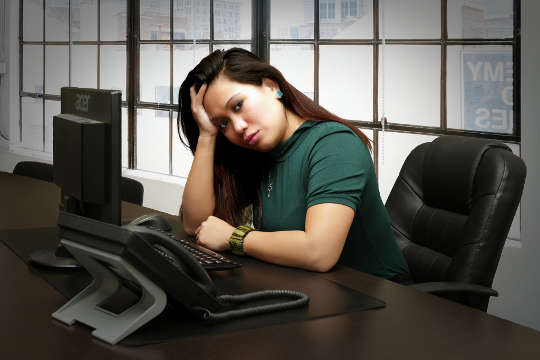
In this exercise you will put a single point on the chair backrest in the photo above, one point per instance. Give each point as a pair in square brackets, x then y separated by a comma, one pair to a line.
[451, 209]
[35, 170]
[130, 190]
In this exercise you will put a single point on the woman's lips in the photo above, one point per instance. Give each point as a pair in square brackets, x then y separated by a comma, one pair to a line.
[252, 139]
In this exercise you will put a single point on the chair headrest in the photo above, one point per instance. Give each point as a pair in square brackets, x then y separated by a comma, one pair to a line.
[450, 168]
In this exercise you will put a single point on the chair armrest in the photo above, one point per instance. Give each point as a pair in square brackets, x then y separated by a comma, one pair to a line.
[452, 287]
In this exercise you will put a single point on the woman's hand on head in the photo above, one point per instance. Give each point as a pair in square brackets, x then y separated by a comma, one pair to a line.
[206, 127]
[214, 234]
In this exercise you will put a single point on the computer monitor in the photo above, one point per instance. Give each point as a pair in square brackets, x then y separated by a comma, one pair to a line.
[87, 152]
[87, 160]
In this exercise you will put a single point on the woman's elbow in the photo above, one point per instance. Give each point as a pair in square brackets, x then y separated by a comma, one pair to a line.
[322, 262]
[323, 267]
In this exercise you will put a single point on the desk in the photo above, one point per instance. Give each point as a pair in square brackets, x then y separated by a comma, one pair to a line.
[412, 325]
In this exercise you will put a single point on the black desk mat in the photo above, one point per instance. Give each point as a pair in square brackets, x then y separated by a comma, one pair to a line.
[327, 298]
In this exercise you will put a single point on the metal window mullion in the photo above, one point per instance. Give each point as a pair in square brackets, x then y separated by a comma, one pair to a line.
[444, 38]
[98, 43]
[21, 9]
[316, 52]
[261, 29]
[170, 142]
[376, 84]
[132, 76]
[171, 87]
[69, 42]
[516, 64]
[44, 84]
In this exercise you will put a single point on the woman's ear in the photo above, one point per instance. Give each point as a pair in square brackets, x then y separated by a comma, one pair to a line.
[270, 84]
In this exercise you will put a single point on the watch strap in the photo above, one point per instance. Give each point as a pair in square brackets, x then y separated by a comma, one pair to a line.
[236, 241]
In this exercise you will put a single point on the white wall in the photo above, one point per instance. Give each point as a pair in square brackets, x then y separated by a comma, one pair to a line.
[519, 268]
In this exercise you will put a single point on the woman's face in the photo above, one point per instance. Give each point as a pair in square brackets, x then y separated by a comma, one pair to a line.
[249, 116]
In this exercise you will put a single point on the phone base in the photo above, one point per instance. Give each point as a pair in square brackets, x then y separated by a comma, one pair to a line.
[109, 272]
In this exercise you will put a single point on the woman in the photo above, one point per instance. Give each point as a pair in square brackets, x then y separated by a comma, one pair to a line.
[260, 144]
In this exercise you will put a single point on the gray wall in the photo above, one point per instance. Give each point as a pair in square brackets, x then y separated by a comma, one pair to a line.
[518, 275]
[519, 269]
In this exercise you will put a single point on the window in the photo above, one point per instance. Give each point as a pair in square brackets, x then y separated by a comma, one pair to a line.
[327, 9]
[63, 46]
[415, 69]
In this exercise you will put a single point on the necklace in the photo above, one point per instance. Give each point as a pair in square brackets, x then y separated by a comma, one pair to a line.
[269, 187]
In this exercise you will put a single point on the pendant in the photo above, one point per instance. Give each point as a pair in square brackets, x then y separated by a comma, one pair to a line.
[269, 187]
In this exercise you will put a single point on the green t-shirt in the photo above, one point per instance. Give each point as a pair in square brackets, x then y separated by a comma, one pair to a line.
[326, 162]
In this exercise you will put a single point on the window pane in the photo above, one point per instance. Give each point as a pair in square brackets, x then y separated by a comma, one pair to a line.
[52, 108]
[113, 20]
[186, 57]
[480, 88]
[347, 19]
[411, 19]
[181, 156]
[113, 68]
[33, 68]
[296, 63]
[57, 20]
[84, 20]
[155, 20]
[480, 19]
[33, 20]
[232, 19]
[84, 66]
[56, 68]
[32, 123]
[346, 80]
[393, 150]
[191, 19]
[153, 140]
[124, 138]
[410, 92]
[291, 19]
[155, 73]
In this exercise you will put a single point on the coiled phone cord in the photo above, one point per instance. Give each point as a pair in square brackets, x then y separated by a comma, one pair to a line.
[300, 299]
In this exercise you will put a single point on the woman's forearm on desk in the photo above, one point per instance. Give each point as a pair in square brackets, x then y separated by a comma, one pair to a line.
[317, 248]
[198, 200]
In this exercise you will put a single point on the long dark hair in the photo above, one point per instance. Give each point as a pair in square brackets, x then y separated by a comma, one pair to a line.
[239, 172]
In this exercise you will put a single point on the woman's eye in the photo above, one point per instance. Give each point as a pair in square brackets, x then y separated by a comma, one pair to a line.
[223, 124]
[238, 106]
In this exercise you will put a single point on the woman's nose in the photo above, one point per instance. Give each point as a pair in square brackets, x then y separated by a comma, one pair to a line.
[239, 124]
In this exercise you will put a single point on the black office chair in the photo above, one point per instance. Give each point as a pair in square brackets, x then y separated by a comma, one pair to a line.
[34, 169]
[130, 190]
[451, 209]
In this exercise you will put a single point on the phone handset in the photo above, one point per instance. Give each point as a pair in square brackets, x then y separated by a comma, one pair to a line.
[173, 268]
[184, 279]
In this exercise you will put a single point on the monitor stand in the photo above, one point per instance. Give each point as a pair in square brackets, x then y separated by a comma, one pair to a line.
[109, 271]
[58, 258]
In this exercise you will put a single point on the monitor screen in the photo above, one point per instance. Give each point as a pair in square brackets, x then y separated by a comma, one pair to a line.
[87, 153]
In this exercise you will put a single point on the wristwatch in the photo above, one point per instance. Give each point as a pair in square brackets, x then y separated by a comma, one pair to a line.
[236, 241]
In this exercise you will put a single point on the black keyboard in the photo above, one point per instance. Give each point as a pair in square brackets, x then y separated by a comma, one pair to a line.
[209, 259]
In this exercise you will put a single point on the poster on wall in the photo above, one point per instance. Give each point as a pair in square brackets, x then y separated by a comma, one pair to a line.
[488, 90]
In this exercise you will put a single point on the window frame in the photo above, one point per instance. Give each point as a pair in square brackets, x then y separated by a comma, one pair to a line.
[260, 44]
